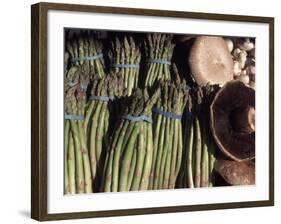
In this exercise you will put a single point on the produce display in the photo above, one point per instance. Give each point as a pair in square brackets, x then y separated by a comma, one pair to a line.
[155, 111]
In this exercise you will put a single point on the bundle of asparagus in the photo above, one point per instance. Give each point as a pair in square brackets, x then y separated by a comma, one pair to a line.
[85, 50]
[199, 146]
[97, 121]
[77, 164]
[125, 59]
[167, 135]
[159, 50]
[128, 162]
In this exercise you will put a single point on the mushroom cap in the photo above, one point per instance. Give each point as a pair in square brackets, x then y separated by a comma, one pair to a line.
[235, 144]
[236, 173]
[210, 61]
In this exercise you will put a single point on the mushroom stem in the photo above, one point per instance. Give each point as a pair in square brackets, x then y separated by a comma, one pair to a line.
[242, 119]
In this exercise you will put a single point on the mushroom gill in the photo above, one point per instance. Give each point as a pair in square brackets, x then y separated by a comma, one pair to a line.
[232, 120]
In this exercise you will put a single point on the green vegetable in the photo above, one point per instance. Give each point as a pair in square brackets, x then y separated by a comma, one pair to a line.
[158, 47]
[131, 147]
[71, 108]
[125, 52]
[71, 165]
[66, 147]
[84, 45]
[199, 147]
[168, 148]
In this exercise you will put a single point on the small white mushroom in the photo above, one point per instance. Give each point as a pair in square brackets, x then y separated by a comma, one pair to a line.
[243, 72]
[247, 45]
[229, 44]
[242, 58]
[236, 69]
[244, 78]
[236, 53]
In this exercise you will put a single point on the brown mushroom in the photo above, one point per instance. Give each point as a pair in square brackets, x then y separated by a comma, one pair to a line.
[210, 61]
[236, 173]
[232, 120]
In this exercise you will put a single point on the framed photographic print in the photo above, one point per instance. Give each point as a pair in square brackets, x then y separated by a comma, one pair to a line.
[138, 111]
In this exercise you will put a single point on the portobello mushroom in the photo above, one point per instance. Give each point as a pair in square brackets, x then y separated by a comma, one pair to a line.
[210, 61]
[232, 120]
[236, 173]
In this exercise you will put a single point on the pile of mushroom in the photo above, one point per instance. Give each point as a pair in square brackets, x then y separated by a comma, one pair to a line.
[243, 54]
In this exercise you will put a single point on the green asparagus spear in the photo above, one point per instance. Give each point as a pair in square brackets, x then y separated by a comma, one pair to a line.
[66, 147]
[148, 158]
[71, 164]
[125, 165]
[140, 159]
[198, 152]
[116, 158]
[189, 168]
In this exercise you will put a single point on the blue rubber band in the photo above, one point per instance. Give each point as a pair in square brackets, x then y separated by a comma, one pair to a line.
[167, 114]
[102, 98]
[73, 117]
[138, 118]
[125, 65]
[87, 58]
[159, 61]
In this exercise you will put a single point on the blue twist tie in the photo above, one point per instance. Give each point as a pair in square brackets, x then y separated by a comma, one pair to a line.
[159, 61]
[167, 114]
[125, 65]
[87, 58]
[73, 117]
[102, 98]
[138, 118]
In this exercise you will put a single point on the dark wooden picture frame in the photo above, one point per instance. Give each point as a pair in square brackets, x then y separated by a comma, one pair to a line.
[39, 107]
